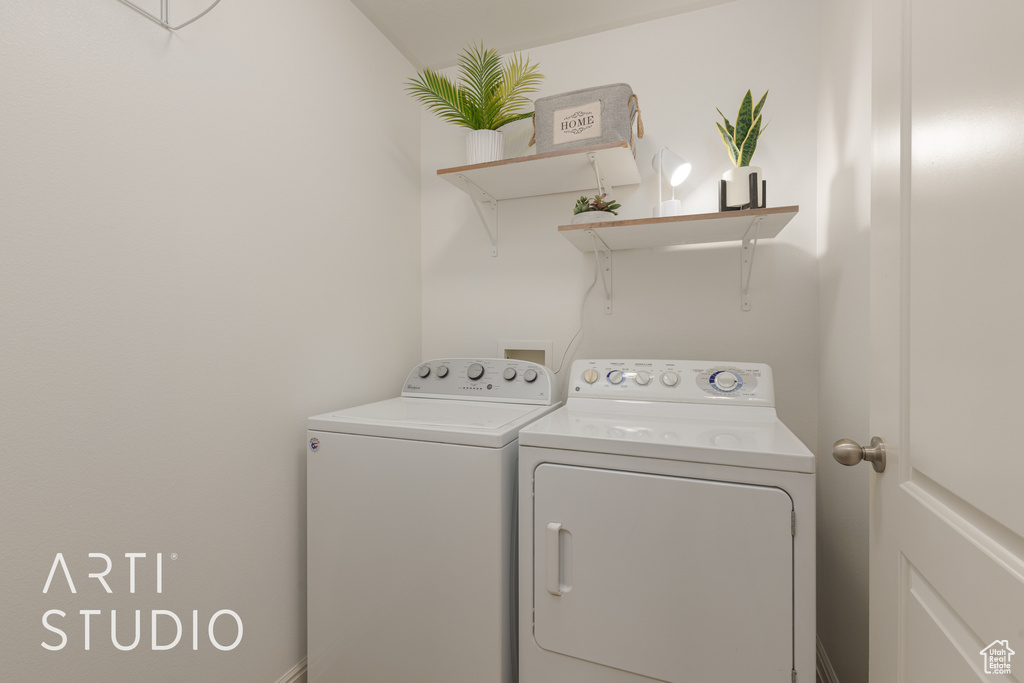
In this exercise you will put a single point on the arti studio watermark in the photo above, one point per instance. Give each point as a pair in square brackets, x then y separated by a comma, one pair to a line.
[166, 627]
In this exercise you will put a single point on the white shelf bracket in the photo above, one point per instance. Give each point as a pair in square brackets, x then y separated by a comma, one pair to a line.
[487, 208]
[747, 261]
[604, 268]
[602, 185]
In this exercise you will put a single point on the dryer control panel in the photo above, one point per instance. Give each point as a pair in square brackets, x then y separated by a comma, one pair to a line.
[678, 381]
[498, 380]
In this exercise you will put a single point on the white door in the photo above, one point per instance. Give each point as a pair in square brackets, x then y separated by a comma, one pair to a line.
[947, 333]
[668, 578]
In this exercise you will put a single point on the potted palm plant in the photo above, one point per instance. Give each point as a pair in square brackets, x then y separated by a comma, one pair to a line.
[741, 141]
[488, 95]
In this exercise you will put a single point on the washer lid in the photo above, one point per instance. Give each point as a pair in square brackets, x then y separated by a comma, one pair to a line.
[471, 423]
[724, 435]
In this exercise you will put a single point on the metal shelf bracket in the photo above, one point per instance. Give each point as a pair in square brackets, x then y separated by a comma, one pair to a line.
[164, 18]
[487, 208]
[747, 261]
[604, 268]
[602, 185]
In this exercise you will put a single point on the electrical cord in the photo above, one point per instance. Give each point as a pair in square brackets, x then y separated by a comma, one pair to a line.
[583, 303]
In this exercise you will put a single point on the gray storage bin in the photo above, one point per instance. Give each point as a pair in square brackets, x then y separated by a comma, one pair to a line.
[591, 116]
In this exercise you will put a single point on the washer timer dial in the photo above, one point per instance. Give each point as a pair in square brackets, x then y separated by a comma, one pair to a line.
[728, 380]
[725, 380]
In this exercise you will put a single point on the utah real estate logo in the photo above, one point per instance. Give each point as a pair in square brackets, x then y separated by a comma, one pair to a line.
[997, 657]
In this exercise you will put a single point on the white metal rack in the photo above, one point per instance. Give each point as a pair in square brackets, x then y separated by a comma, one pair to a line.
[165, 12]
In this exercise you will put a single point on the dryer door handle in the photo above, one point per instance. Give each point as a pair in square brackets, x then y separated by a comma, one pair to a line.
[558, 559]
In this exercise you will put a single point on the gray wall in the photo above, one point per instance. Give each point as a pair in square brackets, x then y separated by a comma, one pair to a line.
[206, 237]
[844, 179]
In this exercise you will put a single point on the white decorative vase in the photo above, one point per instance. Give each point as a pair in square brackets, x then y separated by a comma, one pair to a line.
[483, 146]
[737, 185]
[593, 217]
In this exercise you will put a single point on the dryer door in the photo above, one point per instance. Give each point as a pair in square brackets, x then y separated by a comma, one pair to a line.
[671, 578]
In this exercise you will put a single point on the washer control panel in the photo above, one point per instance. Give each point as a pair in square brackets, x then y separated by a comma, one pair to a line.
[682, 381]
[482, 379]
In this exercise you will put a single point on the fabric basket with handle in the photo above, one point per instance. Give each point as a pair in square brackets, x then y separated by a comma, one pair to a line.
[591, 116]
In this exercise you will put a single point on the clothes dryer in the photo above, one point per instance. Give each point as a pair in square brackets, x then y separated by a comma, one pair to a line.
[410, 526]
[667, 530]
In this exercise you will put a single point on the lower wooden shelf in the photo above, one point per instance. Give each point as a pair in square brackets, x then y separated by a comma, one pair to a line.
[704, 228]
[747, 226]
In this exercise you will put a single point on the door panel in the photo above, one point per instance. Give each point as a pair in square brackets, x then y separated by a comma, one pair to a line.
[672, 578]
[967, 177]
[947, 552]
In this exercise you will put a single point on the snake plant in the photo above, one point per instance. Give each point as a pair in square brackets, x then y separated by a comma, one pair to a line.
[741, 139]
[490, 94]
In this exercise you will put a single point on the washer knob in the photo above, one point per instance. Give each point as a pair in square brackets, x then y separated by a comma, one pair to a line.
[509, 374]
[530, 375]
[643, 378]
[670, 378]
[590, 375]
[725, 381]
[615, 376]
[475, 371]
[424, 371]
[442, 371]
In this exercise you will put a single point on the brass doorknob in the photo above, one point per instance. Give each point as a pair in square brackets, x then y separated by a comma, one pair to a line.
[848, 452]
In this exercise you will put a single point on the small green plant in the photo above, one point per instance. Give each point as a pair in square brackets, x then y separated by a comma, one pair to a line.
[596, 203]
[741, 140]
[490, 94]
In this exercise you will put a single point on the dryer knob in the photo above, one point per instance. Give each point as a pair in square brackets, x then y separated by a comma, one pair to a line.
[615, 376]
[530, 375]
[442, 371]
[424, 371]
[590, 375]
[509, 374]
[475, 371]
[670, 378]
[643, 378]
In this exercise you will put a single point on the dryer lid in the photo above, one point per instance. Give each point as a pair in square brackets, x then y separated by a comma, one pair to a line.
[743, 437]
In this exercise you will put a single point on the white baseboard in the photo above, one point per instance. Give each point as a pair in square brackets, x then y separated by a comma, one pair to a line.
[826, 674]
[297, 674]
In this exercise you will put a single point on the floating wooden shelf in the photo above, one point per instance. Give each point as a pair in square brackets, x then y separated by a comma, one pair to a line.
[703, 228]
[552, 173]
[747, 226]
[583, 168]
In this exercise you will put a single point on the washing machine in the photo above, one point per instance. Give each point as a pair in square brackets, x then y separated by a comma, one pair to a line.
[410, 557]
[666, 530]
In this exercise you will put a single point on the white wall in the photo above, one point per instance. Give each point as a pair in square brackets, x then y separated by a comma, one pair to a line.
[844, 179]
[667, 304]
[206, 237]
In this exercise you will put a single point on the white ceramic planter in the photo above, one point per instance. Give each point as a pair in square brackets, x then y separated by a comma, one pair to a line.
[483, 146]
[593, 217]
[737, 184]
